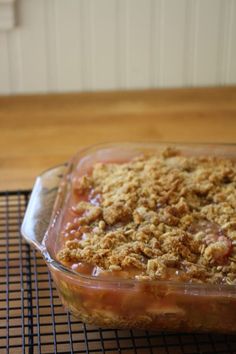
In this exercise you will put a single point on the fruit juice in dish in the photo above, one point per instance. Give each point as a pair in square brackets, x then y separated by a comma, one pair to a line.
[155, 217]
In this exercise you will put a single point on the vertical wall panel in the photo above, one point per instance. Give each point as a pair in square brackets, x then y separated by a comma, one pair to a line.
[223, 42]
[104, 55]
[121, 43]
[51, 34]
[173, 42]
[231, 64]
[190, 42]
[85, 20]
[68, 38]
[4, 65]
[139, 43]
[15, 61]
[82, 45]
[33, 48]
[155, 38]
[207, 42]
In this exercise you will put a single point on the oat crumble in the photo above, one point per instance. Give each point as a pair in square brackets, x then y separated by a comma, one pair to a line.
[158, 216]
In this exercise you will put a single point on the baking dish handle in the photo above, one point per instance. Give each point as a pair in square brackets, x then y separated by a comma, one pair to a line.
[40, 206]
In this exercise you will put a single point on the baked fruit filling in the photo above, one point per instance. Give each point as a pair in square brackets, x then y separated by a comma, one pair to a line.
[165, 217]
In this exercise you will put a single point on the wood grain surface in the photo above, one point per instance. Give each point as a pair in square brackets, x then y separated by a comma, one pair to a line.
[37, 132]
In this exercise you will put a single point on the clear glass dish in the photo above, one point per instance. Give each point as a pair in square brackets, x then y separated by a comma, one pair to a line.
[120, 303]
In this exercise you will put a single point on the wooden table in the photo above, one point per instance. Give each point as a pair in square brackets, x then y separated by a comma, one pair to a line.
[37, 132]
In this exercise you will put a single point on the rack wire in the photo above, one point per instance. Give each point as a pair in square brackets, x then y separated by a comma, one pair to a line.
[32, 319]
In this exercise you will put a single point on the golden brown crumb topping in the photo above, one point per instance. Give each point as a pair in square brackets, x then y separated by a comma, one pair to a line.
[162, 216]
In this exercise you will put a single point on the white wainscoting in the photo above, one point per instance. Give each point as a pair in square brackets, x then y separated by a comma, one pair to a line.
[81, 45]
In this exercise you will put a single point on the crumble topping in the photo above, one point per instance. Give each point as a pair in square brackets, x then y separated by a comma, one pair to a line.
[158, 217]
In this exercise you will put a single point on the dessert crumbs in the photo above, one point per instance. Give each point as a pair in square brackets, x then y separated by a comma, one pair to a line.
[167, 216]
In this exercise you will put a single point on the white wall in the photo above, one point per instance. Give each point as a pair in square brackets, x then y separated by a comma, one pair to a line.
[74, 45]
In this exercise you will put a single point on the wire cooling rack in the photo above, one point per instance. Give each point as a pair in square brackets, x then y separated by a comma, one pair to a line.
[32, 319]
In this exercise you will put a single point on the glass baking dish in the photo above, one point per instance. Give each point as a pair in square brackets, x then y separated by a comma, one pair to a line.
[124, 303]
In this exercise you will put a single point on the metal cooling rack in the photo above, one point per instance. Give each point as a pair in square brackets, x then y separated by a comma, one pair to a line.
[32, 319]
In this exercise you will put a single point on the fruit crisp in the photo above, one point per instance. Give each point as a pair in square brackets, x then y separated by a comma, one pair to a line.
[165, 216]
